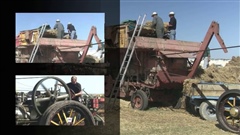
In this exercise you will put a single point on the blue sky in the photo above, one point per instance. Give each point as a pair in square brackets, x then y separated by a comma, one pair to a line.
[92, 84]
[193, 19]
[82, 22]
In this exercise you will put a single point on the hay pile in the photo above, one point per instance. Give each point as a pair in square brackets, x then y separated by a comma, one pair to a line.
[230, 73]
[52, 33]
[91, 59]
[148, 25]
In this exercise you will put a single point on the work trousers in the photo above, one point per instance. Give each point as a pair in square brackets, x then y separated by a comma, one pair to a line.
[172, 34]
[160, 33]
[73, 34]
[60, 34]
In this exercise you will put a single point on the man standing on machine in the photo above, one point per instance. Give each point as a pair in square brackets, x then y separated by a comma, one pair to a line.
[75, 88]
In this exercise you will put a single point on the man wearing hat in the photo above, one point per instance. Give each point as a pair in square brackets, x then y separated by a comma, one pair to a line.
[157, 24]
[60, 29]
[71, 30]
[172, 26]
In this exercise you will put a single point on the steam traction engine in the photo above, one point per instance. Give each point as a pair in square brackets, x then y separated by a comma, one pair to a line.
[53, 106]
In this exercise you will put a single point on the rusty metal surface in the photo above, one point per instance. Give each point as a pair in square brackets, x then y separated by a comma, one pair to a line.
[212, 30]
[167, 45]
[173, 54]
[62, 42]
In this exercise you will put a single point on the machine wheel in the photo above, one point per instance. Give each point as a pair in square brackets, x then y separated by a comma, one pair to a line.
[228, 111]
[99, 120]
[207, 110]
[71, 113]
[191, 107]
[40, 104]
[139, 100]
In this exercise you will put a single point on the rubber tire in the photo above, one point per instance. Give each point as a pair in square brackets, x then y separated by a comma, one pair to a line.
[143, 97]
[203, 113]
[220, 119]
[58, 106]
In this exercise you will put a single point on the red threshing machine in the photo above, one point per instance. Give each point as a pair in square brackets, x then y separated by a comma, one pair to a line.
[155, 68]
[41, 46]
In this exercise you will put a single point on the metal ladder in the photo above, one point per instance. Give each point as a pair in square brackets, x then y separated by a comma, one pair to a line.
[123, 69]
[35, 48]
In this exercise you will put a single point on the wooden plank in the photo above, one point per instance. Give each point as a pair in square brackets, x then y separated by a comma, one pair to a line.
[213, 90]
[63, 42]
[167, 45]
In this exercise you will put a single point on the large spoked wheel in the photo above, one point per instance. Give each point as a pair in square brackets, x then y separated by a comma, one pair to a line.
[207, 110]
[69, 113]
[139, 100]
[50, 94]
[228, 111]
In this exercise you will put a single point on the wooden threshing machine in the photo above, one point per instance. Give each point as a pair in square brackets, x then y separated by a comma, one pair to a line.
[153, 69]
[53, 105]
[41, 46]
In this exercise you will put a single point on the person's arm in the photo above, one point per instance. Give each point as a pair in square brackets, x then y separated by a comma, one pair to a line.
[170, 23]
[79, 89]
[154, 22]
[68, 28]
[55, 26]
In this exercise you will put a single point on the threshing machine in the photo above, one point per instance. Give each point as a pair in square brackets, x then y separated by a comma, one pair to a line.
[46, 105]
[153, 69]
[41, 46]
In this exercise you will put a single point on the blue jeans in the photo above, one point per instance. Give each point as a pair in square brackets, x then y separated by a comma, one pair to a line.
[172, 34]
[73, 33]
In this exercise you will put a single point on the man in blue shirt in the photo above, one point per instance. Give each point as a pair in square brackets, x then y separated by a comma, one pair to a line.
[71, 30]
[172, 26]
[75, 88]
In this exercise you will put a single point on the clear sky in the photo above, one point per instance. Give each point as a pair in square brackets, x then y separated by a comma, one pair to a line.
[82, 22]
[92, 84]
[193, 19]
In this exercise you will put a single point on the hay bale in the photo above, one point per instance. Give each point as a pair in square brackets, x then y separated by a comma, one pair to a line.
[148, 25]
[51, 33]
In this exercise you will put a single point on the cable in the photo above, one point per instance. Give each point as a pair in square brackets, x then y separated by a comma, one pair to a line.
[203, 50]
[25, 85]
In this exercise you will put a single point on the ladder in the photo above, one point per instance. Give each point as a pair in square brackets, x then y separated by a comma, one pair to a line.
[35, 48]
[123, 69]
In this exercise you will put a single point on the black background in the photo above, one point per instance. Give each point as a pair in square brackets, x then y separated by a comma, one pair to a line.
[9, 69]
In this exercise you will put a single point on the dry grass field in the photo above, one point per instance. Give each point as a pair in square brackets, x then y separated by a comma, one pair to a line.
[165, 121]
